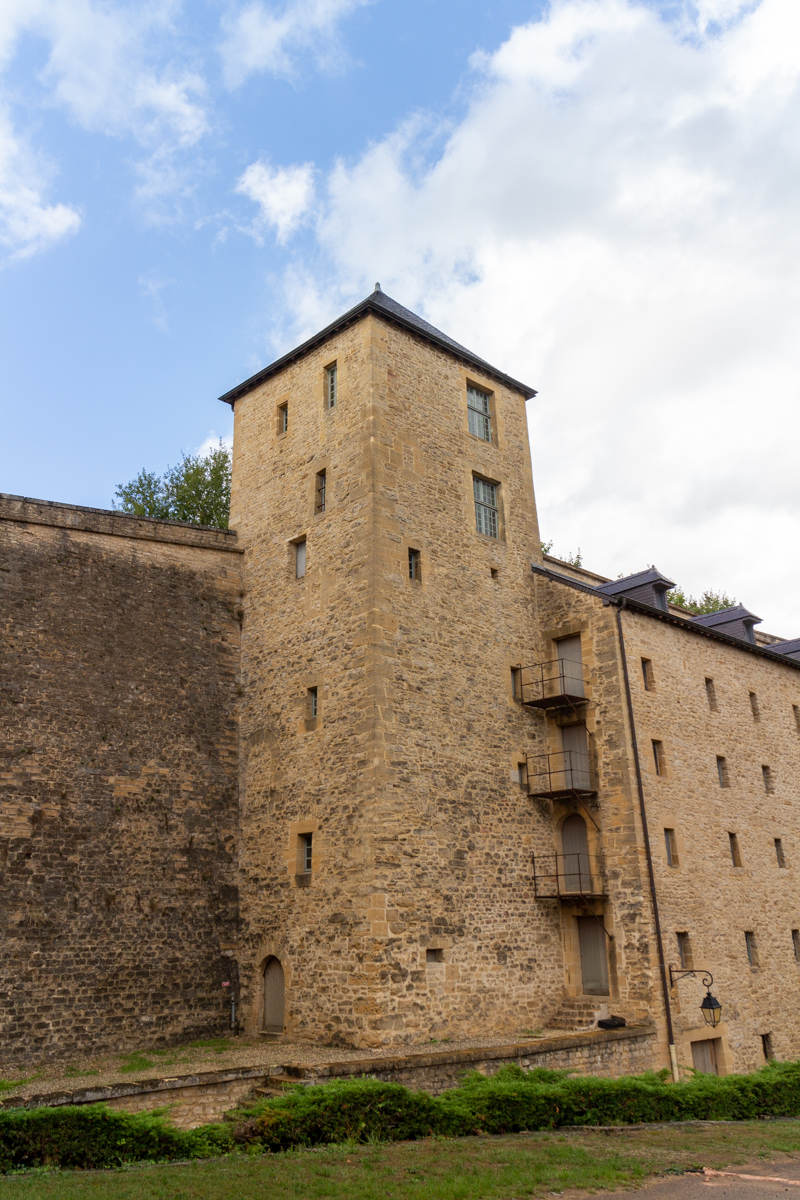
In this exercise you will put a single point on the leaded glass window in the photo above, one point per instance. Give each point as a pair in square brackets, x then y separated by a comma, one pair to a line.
[479, 413]
[485, 506]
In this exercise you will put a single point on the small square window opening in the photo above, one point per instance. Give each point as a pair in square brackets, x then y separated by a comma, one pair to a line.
[283, 418]
[479, 413]
[722, 771]
[300, 559]
[672, 848]
[736, 854]
[684, 951]
[331, 385]
[752, 948]
[781, 857]
[647, 675]
[320, 491]
[486, 521]
[711, 693]
[434, 956]
[658, 757]
[769, 783]
[493, 571]
[414, 565]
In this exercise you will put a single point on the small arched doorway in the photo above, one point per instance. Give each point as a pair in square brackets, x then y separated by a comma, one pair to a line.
[575, 849]
[273, 996]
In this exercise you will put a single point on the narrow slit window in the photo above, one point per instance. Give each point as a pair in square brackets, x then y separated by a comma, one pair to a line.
[300, 559]
[522, 775]
[781, 857]
[647, 675]
[306, 852]
[658, 757]
[684, 951]
[321, 491]
[796, 944]
[414, 565]
[736, 854]
[752, 948]
[711, 693]
[755, 710]
[283, 418]
[331, 385]
[796, 711]
[672, 848]
[479, 413]
[769, 783]
[722, 771]
[485, 506]
[516, 683]
[313, 702]
[766, 1046]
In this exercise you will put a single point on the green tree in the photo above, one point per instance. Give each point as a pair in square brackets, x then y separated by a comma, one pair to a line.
[709, 602]
[197, 491]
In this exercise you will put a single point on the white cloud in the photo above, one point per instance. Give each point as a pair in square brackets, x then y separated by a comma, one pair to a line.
[212, 442]
[614, 221]
[28, 223]
[283, 194]
[262, 38]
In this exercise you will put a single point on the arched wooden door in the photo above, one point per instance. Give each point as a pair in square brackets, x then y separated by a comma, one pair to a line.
[273, 996]
[575, 848]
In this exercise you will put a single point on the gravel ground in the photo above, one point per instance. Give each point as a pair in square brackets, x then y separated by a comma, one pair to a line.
[212, 1054]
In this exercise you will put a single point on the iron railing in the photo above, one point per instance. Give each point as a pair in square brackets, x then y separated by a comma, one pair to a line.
[568, 876]
[559, 683]
[562, 773]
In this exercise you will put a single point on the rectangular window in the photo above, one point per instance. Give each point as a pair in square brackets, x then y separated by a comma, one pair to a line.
[319, 496]
[414, 565]
[300, 559]
[516, 683]
[755, 710]
[752, 948]
[796, 944]
[658, 757]
[769, 784]
[736, 854]
[647, 675]
[711, 694]
[313, 702]
[766, 1046]
[434, 956]
[722, 771]
[485, 506]
[330, 385]
[479, 413]
[672, 848]
[781, 857]
[796, 711]
[306, 852]
[522, 774]
[283, 418]
[684, 951]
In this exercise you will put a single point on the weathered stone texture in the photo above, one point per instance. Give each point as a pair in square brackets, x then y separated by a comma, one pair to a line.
[119, 757]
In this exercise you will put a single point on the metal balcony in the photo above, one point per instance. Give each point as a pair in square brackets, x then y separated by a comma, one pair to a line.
[567, 877]
[559, 683]
[564, 773]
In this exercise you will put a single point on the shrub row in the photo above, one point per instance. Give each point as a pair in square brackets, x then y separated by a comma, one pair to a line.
[368, 1110]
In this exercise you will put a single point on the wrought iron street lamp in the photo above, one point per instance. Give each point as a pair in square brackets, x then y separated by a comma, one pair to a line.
[710, 1006]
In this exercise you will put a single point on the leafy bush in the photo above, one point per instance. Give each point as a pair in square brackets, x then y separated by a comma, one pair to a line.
[93, 1135]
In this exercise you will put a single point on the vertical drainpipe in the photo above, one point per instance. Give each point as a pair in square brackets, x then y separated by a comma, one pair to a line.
[673, 1057]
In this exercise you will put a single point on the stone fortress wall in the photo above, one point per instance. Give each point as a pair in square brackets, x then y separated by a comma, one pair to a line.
[119, 760]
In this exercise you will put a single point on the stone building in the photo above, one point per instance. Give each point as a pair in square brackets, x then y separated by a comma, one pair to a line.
[457, 787]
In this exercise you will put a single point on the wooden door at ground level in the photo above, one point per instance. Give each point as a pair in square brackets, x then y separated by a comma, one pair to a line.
[704, 1056]
[273, 996]
[594, 956]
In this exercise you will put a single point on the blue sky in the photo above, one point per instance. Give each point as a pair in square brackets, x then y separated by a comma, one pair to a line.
[598, 195]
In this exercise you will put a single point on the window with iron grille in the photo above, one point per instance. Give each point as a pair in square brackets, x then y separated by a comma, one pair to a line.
[479, 413]
[331, 385]
[485, 506]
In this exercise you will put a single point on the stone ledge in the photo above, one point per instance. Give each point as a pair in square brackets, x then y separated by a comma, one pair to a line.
[115, 524]
[330, 1070]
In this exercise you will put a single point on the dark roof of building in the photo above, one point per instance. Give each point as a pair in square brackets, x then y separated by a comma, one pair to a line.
[726, 616]
[378, 302]
[629, 582]
[789, 647]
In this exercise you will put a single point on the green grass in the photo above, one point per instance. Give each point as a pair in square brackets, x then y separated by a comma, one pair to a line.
[476, 1168]
[9, 1085]
[218, 1044]
[140, 1060]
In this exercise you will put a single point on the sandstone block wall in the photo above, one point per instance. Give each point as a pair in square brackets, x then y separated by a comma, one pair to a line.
[118, 772]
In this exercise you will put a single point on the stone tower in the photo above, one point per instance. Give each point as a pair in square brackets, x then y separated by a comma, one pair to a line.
[382, 492]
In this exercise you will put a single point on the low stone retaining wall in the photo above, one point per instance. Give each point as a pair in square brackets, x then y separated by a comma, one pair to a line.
[197, 1099]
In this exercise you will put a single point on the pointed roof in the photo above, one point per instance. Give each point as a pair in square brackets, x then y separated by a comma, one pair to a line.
[652, 576]
[384, 306]
[725, 616]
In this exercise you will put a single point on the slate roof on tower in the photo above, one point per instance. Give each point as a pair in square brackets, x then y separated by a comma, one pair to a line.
[378, 302]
